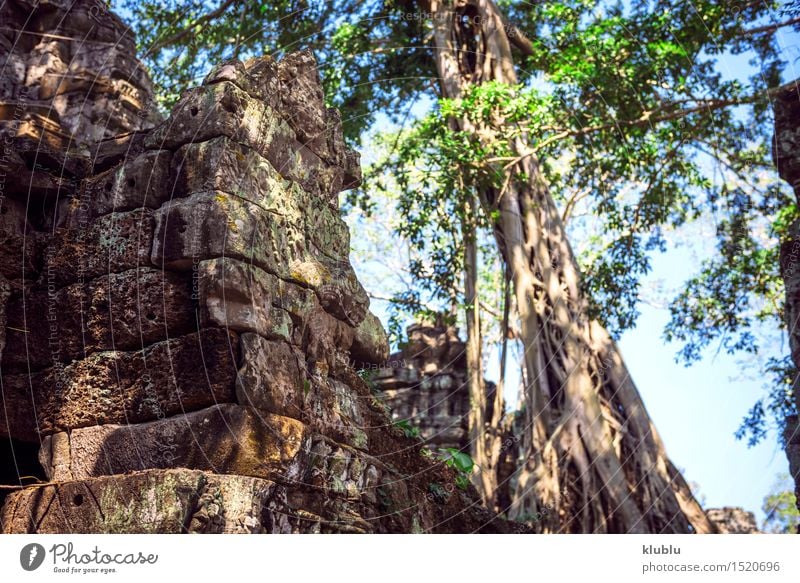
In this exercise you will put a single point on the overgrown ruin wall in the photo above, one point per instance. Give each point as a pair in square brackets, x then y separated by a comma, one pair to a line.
[179, 314]
[425, 385]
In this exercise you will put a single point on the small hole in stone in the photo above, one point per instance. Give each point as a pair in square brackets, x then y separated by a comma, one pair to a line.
[108, 186]
[182, 229]
[131, 183]
[193, 111]
[78, 499]
[150, 316]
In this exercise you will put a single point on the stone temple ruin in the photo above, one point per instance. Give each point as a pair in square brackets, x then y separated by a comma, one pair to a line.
[733, 520]
[178, 313]
[178, 307]
[425, 385]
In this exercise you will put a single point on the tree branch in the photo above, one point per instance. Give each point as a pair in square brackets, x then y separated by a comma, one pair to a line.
[647, 118]
[518, 40]
[189, 29]
[770, 28]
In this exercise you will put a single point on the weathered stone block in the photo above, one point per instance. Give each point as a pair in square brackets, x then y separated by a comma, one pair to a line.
[121, 311]
[242, 297]
[140, 181]
[214, 224]
[370, 344]
[790, 272]
[786, 140]
[303, 106]
[154, 501]
[5, 291]
[167, 378]
[343, 471]
[225, 165]
[326, 341]
[226, 439]
[352, 170]
[258, 77]
[791, 436]
[272, 376]
[20, 246]
[110, 152]
[138, 307]
[326, 230]
[46, 328]
[223, 109]
[336, 285]
[338, 411]
[110, 244]
[733, 520]
[314, 328]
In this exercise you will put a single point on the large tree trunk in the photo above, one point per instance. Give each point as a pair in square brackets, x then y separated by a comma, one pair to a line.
[595, 462]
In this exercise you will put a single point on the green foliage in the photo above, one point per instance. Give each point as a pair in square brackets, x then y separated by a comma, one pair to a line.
[645, 114]
[771, 411]
[638, 133]
[363, 47]
[459, 461]
[741, 286]
[780, 508]
[408, 430]
[367, 375]
[438, 492]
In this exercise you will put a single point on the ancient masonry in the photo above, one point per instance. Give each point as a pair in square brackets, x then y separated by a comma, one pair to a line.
[178, 313]
[786, 154]
[425, 385]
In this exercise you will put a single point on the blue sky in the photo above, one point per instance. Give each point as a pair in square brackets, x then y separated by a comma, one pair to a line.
[697, 409]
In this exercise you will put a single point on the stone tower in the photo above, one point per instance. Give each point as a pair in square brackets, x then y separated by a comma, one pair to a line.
[177, 307]
[425, 385]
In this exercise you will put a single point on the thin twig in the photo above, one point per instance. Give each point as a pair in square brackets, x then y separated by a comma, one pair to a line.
[189, 29]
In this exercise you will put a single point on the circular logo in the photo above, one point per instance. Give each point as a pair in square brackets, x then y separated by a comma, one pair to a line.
[31, 556]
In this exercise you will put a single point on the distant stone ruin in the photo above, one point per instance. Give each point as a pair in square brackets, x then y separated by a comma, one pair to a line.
[178, 311]
[425, 385]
